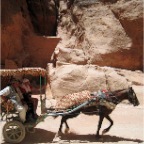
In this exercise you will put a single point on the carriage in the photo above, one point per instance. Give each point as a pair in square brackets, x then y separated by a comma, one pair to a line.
[14, 130]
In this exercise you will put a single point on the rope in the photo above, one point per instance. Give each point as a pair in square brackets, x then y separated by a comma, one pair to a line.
[84, 113]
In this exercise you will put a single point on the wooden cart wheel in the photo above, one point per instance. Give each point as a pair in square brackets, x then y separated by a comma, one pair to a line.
[14, 132]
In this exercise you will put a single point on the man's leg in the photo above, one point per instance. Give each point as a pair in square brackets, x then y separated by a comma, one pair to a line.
[21, 109]
[22, 114]
[35, 103]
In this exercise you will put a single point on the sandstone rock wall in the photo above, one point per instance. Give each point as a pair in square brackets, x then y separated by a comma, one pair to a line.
[66, 79]
[106, 33]
[93, 33]
[101, 32]
[43, 14]
[23, 30]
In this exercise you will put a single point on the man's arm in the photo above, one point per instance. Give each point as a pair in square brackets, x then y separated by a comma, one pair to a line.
[4, 93]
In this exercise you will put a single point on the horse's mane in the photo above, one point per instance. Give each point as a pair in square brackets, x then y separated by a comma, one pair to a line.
[119, 91]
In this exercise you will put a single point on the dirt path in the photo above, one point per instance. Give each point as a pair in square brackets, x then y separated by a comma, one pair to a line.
[127, 129]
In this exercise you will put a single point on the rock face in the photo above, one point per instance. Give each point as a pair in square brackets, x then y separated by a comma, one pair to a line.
[106, 33]
[68, 79]
[43, 16]
[130, 16]
[101, 32]
[23, 40]
[93, 33]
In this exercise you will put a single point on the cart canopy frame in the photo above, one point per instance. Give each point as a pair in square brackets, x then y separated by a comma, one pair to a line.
[34, 71]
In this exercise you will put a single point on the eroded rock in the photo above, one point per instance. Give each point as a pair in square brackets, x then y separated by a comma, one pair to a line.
[66, 79]
[108, 32]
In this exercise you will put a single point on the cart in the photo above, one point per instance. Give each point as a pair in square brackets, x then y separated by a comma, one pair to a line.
[14, 130]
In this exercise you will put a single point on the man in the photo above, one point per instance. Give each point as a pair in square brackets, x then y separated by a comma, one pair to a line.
[13, 94]
[27, 91]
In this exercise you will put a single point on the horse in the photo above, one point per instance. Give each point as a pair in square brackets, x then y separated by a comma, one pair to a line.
[116, 97]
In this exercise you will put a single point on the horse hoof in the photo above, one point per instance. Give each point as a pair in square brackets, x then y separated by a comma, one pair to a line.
[59, 133]
[56, 139]
[66, 130]
[104, 131]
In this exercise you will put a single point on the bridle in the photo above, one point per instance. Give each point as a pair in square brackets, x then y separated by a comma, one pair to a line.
[131, 96]
[130, 93]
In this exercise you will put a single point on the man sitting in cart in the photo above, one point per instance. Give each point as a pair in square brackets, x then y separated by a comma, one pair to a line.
[27, 91]
[13, 94]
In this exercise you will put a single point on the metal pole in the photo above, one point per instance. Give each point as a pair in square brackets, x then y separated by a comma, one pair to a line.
[45, 82]
[73, 110]
[40, 85]
[40, 93]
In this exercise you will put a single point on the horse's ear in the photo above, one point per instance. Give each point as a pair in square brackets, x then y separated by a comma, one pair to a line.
[130, 88]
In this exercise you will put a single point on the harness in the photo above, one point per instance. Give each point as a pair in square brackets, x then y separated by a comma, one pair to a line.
[130, 96]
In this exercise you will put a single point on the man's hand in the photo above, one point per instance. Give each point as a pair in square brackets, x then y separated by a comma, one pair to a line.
[8, 105]
[9, 101]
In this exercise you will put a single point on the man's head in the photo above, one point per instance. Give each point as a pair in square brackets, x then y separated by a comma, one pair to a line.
[26, 81]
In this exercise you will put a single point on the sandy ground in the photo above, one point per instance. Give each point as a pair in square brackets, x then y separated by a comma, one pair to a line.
[128, 127]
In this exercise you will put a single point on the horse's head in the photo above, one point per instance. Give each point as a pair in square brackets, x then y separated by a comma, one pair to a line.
[132, 97]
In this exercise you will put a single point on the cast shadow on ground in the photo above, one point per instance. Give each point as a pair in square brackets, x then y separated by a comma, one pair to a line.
[40, 136]
[92, 138]
[44, 136]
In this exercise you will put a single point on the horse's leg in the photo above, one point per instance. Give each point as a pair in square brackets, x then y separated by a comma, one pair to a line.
[67, 127]
[101, 117]
[58, 134]
[111, 123]
[62, 121]
[68, 117]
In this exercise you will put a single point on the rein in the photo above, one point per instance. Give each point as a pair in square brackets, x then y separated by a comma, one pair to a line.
[116, 101]
[117, 95]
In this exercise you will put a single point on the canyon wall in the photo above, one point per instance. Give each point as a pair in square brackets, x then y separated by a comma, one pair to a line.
[81, 38]
[101, 32]
[27, 39]
[105, 33]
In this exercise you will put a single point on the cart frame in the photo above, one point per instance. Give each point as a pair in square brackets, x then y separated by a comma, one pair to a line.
[14, 130]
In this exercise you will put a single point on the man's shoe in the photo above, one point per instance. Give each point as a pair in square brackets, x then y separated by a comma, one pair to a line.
[31, 119]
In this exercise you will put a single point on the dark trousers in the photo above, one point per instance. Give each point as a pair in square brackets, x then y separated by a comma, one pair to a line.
[30, 111]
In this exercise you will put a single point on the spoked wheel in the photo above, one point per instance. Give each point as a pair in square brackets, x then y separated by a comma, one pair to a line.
[14, 132]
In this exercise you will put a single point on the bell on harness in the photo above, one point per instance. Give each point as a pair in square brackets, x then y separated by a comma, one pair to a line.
[101, 94]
